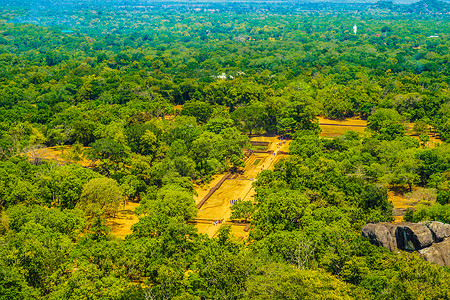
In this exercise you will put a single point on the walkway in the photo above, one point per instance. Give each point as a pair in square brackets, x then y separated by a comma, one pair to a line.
[218, 206]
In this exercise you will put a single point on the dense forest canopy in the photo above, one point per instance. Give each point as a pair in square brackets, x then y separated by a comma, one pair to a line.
[144, 102]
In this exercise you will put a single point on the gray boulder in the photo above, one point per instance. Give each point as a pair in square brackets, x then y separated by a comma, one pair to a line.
[439, 230]
[381, 234]
[413, 236]
[438, 253]
[404, 236]
[430, 239]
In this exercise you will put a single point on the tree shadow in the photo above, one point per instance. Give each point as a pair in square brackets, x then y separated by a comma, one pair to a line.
[399, 190]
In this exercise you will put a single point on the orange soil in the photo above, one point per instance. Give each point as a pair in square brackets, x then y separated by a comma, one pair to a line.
[349, 121]
[125, 218]
[334, 128]
[400, 202]
[218, 206]
[59, 154]
[434, 138]
[202, 190]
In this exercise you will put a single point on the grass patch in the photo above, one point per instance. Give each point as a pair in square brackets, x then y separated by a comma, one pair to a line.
[262, 148]
[257, 162]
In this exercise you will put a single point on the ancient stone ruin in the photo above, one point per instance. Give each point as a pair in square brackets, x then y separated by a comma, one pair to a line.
[430, 239]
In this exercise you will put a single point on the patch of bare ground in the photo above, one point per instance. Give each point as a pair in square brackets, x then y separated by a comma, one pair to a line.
[120, 225]
[218, 207]
[402, 199]
[400, 196]
[239, 186]
[203, 189]
[434, 137]
[333, 128]
[66, 154]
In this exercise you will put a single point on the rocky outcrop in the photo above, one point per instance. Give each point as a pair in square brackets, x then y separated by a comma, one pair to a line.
[438, 253]
[413, 236]
[431, 239]
[381, 234]
[439, 230]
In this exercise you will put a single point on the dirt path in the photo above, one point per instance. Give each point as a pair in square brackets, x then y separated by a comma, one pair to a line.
[218, 206]
[400, 203]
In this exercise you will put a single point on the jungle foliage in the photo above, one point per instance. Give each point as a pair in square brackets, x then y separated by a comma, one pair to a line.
[159, 97]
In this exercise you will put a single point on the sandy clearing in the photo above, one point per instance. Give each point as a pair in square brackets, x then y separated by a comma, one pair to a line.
[125, 218]
[334, 128]
[60, 154]
[218, 206]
